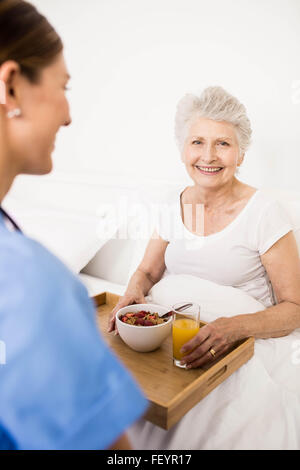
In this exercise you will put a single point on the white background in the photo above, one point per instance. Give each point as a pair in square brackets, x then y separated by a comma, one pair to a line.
[132, 60]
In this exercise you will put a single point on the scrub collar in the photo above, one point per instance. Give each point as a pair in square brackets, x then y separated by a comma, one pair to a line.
[4, 215]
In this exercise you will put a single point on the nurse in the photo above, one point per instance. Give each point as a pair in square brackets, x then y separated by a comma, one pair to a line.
[61, 387]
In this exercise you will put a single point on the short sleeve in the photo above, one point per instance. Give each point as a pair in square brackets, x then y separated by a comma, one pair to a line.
[273, 223]
[61, 386]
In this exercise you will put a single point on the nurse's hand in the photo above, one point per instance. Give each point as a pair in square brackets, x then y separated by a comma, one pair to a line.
[127, 299]
[212, 340]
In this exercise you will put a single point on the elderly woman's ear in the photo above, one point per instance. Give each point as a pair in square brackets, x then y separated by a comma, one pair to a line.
[241, 159]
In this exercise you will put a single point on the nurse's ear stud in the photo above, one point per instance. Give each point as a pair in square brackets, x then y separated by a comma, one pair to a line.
[14, 113]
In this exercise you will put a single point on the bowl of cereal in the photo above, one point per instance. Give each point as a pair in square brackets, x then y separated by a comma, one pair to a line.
[141, 327]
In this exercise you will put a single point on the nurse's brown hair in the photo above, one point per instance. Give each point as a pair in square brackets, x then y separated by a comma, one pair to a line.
[27, 37]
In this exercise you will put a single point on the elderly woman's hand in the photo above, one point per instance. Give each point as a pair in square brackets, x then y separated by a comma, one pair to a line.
[129, 298]
[210, 342]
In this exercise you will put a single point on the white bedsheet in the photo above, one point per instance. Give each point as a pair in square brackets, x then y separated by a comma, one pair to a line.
[96, 285]
[257, 407]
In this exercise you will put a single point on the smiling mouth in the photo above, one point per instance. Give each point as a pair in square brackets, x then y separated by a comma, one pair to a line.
[209, 170]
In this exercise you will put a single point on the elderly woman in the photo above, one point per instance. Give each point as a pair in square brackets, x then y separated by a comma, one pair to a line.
[248, 241]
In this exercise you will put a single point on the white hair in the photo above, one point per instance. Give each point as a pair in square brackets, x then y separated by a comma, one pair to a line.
[217, 104]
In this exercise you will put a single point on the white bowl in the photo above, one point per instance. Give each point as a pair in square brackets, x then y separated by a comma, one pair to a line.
[143, 338]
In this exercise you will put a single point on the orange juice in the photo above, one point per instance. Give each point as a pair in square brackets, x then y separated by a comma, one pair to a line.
[184, 329]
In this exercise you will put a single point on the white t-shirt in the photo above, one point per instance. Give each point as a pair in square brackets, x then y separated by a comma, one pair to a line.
[230, 257]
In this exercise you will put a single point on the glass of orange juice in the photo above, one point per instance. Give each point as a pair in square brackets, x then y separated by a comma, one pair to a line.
[185, 326]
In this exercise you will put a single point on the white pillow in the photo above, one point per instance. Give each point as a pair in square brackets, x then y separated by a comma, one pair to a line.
[112, 261]
[215, 300]
[73, 237]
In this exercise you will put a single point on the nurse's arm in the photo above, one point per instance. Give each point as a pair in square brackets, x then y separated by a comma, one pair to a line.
[282, 264]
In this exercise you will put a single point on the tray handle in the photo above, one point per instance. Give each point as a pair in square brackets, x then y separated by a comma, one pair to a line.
[217, 375]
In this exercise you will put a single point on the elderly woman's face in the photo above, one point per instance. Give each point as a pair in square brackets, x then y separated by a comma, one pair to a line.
[211, 152]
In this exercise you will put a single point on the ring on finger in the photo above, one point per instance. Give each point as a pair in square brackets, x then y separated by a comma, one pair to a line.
[212, 352]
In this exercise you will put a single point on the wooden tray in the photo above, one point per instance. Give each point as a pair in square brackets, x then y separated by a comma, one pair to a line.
[171, 391]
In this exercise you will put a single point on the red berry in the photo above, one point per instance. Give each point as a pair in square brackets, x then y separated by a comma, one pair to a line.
[140, 315]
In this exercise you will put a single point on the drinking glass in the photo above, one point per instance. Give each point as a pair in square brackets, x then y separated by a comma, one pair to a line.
[185, 326]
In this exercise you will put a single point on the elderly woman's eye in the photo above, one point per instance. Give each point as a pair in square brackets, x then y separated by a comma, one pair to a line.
[196, 142]
[223, 143]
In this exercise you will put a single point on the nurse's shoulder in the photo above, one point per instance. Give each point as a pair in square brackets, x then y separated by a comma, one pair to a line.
[35, 284]
[26, 262]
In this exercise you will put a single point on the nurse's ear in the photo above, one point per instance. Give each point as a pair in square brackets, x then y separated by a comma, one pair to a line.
[10, 88]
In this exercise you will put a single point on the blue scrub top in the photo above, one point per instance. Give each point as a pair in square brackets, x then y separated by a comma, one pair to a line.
[60, 386]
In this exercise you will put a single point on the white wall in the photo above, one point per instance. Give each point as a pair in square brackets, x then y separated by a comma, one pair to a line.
[132, 60]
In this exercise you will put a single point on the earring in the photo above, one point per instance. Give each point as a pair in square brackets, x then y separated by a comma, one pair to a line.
[14, 113]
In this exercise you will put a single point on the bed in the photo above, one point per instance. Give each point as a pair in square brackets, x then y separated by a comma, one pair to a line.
[258, 407]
